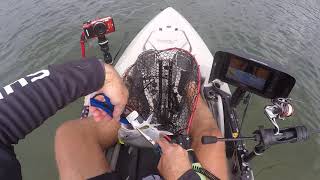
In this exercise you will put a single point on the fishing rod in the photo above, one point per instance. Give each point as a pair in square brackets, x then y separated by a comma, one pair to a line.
[267, 138]
[280, 108]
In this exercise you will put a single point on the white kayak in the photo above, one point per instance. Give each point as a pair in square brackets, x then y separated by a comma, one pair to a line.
[169, 29]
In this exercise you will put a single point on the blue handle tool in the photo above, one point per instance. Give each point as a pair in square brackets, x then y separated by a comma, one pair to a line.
[105, 106]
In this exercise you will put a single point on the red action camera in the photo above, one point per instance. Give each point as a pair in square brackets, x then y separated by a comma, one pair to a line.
[99, 27]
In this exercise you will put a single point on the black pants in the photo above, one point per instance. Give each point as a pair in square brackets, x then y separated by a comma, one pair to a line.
[10, 168]
[9, 165]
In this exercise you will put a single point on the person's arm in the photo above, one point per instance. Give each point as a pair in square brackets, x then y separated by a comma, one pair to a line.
[28, 102]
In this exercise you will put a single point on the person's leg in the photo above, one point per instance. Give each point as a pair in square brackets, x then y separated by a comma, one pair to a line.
[211, 156]
[80, 146]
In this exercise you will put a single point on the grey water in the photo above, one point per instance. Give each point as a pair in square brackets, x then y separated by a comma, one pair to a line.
[36, 33]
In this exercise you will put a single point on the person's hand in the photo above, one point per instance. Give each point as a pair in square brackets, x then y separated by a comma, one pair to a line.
[174, 161]
[115, 89]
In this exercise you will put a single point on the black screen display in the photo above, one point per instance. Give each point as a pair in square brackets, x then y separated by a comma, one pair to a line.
[248, 73]
[245, 73]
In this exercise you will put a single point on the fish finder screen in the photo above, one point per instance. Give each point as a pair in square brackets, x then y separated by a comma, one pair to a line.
[247, 73]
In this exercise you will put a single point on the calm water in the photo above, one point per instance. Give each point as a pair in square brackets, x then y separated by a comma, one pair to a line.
[35, 33]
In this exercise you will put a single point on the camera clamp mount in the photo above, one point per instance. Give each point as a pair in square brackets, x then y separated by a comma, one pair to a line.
[104, 47]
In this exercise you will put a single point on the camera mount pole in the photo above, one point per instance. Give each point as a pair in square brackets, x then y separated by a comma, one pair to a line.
[104, 47]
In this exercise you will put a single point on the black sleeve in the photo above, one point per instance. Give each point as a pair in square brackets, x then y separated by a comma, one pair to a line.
[190, 175]
[28, 102]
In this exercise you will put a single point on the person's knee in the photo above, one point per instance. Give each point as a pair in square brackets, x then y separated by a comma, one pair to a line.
[63, 129]
[104, 133]
[68, 131]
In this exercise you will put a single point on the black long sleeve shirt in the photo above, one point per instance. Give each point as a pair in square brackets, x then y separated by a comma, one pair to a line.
[26, 103]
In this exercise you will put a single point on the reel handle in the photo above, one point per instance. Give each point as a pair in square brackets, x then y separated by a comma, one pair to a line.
[209, 139]
[267, 138]
[215, 139]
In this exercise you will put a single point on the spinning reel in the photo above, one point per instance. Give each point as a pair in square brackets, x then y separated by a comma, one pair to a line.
[280, 109]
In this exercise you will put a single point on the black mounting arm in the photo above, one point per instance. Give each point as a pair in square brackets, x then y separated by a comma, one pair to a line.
[104, 47]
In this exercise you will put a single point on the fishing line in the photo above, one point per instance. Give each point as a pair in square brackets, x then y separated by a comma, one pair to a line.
[246, 100]
[121, 45]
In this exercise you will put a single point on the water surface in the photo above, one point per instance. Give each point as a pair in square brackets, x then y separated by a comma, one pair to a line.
[35, 33]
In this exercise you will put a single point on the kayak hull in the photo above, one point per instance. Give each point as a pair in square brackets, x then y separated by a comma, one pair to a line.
[168, 29]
